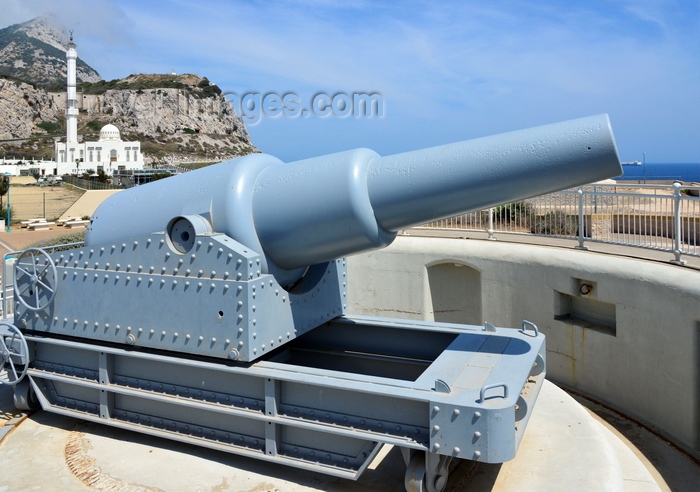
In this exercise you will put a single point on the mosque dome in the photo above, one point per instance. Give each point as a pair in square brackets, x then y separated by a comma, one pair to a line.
[110, 133]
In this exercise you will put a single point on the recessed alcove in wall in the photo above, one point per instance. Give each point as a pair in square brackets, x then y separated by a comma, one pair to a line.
[455, 293]
[586, 312]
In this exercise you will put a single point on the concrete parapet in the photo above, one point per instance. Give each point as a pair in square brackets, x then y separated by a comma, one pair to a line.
[623, 331]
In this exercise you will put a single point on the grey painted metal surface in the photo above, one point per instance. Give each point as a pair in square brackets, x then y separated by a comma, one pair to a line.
[209, 308]
[318, 209]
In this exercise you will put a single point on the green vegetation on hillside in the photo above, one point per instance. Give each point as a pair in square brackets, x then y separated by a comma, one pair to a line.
[145, 82]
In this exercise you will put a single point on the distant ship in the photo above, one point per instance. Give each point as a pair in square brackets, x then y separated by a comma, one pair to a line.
[632, 163]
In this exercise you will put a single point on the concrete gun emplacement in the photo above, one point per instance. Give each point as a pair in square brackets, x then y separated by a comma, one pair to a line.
[209, 307]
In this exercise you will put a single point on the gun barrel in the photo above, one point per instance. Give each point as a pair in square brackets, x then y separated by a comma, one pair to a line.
[424, 185]
[314, 210]
[345, 203]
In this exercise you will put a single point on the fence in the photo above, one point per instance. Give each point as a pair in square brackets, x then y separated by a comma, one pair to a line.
[86, 184]
[659, 217]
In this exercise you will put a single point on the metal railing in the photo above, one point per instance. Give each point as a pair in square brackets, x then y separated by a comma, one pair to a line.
[659, 217]
[90, 185]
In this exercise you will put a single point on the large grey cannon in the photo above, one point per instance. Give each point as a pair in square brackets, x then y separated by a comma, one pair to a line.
[209, 308]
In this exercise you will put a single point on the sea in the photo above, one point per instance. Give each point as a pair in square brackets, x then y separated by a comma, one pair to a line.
[687, 172]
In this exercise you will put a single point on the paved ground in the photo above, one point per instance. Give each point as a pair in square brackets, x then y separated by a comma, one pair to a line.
[564, 448]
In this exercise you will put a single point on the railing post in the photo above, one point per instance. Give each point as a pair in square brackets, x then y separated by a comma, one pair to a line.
[490, 229]
[581, 223]
[677, 230]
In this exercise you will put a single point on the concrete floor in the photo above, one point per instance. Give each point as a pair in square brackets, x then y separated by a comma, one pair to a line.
[564, 447]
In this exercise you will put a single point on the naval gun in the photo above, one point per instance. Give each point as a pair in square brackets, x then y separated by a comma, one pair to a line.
[210, 308]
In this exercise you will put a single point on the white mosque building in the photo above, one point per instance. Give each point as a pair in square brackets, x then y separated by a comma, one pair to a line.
[109, 154]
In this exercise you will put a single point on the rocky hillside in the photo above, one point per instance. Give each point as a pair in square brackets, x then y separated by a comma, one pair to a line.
[177, 118]
[24, 107]
[34, 51]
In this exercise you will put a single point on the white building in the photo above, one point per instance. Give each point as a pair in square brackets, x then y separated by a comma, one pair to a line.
[108, 154]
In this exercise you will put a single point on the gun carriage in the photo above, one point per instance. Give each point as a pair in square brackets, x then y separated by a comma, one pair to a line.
[210, 308]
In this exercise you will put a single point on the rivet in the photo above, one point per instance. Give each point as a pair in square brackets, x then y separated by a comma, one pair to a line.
[477, 414]
[436, 428]
[477, 454]
[436, 409]
[477, 434]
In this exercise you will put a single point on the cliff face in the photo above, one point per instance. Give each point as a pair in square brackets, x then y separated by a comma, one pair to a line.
[150, 106]
[23, 107]
[175, 117]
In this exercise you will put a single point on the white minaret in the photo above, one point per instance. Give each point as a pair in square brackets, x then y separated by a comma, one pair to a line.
[71, 98]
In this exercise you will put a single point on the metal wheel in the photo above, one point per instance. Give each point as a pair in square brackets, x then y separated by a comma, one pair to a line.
[13, 345]
[24, 396]
[35, 279]
[414, 481]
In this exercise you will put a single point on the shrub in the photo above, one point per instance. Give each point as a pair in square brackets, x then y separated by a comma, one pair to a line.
[49, 126]
[73, 237]
[519, 212]
[555, 223]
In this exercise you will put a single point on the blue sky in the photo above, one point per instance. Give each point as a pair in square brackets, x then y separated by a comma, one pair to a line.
[447, 71]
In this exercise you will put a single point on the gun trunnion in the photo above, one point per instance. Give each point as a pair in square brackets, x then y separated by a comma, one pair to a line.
[209, 307]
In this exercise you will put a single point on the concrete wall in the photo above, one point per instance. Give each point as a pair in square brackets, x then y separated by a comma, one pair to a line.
[624, 331]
